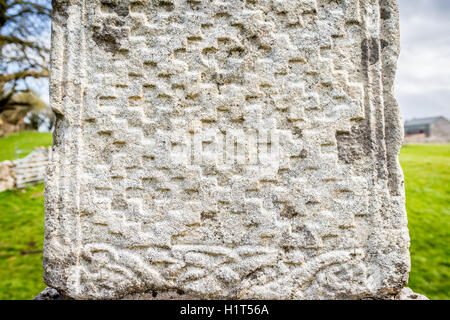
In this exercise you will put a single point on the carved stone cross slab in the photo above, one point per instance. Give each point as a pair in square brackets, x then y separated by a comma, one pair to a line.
[225, 149]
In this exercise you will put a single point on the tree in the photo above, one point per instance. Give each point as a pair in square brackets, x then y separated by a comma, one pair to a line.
[24, 48]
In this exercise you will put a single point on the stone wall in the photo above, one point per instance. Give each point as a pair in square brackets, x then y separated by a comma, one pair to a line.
[26, 171]
[7, 176]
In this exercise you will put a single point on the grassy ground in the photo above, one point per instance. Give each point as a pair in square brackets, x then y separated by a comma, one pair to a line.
[427, 172]
[427, 179]
[25, 141]
[21, 236]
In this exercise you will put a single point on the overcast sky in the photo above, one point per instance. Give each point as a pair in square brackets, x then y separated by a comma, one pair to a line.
[423, 77]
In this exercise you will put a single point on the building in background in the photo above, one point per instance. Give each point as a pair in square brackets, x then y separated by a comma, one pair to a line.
[435, 129]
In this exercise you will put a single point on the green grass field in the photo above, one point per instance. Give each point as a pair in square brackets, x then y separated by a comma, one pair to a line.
[25, 141]
[427, 172]
[21, 236]
[427, 180]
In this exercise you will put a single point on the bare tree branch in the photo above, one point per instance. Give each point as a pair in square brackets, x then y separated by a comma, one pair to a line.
[23, 74]
[23, 54]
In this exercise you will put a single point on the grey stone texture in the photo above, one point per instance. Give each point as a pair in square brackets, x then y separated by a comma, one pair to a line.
[225, 149]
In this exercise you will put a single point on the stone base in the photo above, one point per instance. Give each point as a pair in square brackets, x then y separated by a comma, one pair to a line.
[52, 294]
[408, 294]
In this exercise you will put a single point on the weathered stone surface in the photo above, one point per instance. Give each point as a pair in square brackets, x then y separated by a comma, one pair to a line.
[225, 149]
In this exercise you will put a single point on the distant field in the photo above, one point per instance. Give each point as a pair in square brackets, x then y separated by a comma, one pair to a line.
[25, 141]
[427, 171]
[427, 179]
